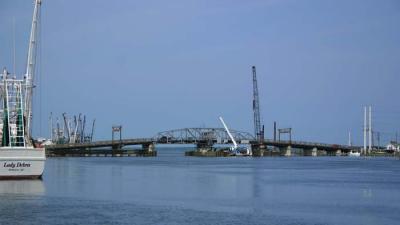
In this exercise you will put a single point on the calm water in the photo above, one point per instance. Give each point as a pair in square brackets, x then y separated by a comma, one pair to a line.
[173, 189]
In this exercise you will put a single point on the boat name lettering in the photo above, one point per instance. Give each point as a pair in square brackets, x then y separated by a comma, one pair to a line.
[17, 164]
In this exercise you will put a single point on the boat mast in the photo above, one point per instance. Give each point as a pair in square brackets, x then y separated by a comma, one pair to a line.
[30, 70]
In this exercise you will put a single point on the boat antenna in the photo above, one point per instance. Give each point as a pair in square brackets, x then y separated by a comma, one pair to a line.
[14, 51]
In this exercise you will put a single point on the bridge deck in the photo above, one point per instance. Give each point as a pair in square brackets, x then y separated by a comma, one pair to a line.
[100, 144]
[148, 141]
[309, 145]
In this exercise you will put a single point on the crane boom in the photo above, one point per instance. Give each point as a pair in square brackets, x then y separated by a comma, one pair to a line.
[67, 126]
[30, 68]
[258, 131]
[235, 145]
[91, 134]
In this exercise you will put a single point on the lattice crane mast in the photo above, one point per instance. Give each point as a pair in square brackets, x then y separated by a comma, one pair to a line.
[258, 130]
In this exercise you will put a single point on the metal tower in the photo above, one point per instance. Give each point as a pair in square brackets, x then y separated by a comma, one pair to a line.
[258, 131]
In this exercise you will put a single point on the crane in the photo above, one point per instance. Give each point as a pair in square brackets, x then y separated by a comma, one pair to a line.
[67, 127]
[235, 145]
[258, 131]
[91, 134]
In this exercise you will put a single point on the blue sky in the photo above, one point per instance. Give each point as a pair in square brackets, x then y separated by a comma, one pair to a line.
[158, 65]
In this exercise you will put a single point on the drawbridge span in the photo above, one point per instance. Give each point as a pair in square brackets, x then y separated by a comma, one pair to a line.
[201, 135]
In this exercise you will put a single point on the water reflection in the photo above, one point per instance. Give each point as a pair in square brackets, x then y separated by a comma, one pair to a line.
[174, 189]
[26, 187]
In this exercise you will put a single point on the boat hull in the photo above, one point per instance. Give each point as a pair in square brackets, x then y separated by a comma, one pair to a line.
[21, 163]
[354, 154]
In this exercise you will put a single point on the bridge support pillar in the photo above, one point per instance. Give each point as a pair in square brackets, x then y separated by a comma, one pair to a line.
[314, 152]
[310, 152]
[148, 147]
[339, 152]
[286, 151]
[258, 150]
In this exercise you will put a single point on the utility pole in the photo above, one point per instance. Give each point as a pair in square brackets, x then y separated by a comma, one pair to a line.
[370, 130]
[365, 130]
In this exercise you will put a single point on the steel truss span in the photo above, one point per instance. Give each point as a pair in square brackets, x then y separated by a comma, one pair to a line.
[195, 135]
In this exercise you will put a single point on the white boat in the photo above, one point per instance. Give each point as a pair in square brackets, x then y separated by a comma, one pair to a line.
[21, 163]
[19, 159]
[242, 151]
[353, 153]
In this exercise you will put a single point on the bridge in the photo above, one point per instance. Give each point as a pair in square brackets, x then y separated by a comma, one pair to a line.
[103, 148]
[308, 145]
[201, 137]
[309, 148]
